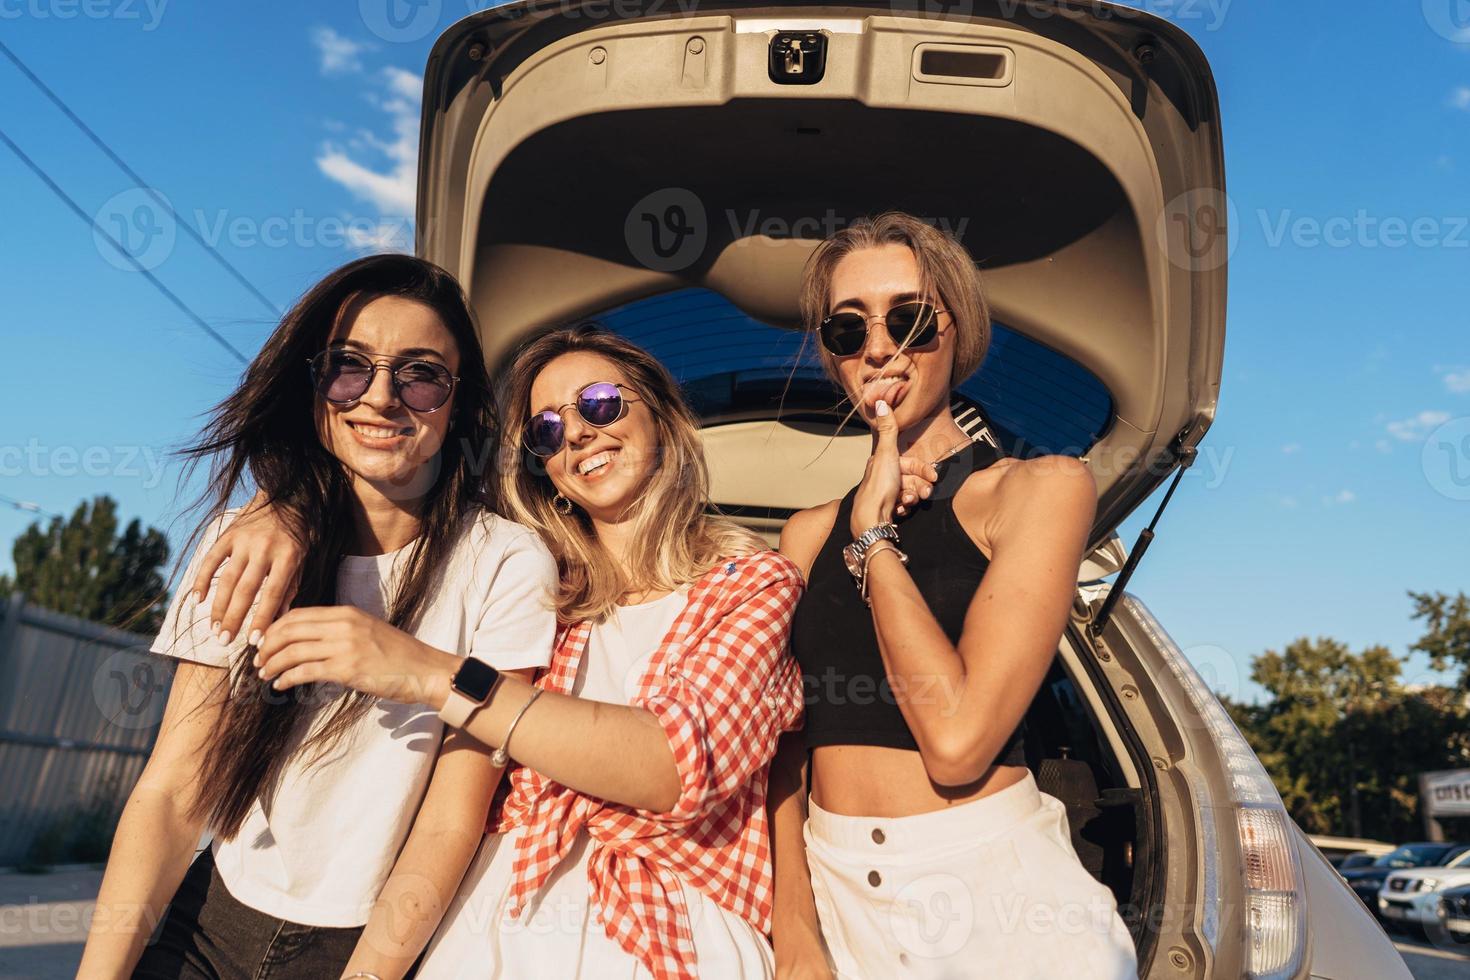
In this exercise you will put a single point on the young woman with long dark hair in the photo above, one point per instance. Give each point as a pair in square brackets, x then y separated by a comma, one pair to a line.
[634, 840]
[340, 821]
[937, 592]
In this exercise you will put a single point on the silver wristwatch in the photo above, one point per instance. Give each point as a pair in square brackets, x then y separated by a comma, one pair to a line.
[854, 553]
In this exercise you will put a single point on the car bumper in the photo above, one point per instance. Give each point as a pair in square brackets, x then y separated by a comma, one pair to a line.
[1421, 910]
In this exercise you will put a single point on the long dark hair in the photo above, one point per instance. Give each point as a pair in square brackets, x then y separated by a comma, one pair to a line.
[267, 429]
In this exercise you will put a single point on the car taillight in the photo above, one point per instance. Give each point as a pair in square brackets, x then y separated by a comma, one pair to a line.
[1272, 876]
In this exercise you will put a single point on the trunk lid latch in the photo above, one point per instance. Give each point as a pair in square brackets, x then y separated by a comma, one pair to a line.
[798, 57]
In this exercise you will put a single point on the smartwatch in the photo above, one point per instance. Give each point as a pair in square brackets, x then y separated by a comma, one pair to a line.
[468, 690]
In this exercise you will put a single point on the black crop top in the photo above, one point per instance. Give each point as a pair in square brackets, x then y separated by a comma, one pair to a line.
[849, 700]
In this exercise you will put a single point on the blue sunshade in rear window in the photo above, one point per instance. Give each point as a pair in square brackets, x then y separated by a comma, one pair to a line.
[731, 364]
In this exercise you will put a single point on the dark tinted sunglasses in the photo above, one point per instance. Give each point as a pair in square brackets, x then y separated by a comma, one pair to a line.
[909, 324]
[344, 376]
[600, 404]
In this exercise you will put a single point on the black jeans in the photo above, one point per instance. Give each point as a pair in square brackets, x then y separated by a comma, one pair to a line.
[208, 935]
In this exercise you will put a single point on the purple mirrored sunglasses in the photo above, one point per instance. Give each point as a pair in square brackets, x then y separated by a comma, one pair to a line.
[599, 404]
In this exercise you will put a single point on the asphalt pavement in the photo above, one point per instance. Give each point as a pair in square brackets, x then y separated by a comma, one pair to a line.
[43, 926]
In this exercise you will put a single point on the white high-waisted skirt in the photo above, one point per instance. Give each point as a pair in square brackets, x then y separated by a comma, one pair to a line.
[989, 888]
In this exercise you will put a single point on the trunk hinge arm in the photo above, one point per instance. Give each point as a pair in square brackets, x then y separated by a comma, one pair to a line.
[1184, 456]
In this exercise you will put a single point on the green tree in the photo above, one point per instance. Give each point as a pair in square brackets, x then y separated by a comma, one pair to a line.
[84, 567]
[1345, 741]
[1447, 636]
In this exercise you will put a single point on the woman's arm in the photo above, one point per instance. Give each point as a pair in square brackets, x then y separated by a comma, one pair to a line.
[796, 932]
[652, 757]
[962, 702]
[440, 846]
[156, 836]
[615, 752]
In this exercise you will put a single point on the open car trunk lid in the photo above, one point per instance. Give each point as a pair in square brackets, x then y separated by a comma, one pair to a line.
[586, 159]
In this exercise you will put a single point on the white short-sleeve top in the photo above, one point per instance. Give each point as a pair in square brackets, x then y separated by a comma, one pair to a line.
[320, 849]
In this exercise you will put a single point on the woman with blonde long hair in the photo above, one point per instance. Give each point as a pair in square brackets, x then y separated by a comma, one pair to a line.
[634, 839]
[937, 592]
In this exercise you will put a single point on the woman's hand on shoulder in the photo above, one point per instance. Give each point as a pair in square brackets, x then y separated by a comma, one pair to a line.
[260, 558]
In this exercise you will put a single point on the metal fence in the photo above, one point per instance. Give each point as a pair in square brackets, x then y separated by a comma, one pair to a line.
[80, 706]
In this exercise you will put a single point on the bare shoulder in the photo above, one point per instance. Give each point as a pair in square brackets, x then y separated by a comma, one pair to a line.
[805, 531]
[1055, 489]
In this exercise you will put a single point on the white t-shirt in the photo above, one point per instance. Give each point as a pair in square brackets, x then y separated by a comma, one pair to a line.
[320, 850]
[559, 935]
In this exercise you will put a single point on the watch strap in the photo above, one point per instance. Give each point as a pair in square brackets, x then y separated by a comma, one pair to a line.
[458, 708]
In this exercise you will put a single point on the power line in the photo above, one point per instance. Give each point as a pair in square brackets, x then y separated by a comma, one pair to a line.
[122, 165]
[99, 230]
[27, 505]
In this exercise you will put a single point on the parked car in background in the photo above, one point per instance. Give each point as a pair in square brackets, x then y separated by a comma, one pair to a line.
[1359, 860]
[1366, 882]
[669, 168]
[1454, 914]
[1338, 849]
[1411, 897]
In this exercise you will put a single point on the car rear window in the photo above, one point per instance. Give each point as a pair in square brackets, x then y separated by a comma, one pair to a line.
[732, 365]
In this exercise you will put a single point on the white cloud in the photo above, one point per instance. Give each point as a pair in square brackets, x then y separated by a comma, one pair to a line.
[1457, 381]
[383, 171]
[1416, 427]
[387, 236]
[1341, 497]
[405, 84]
[338, 54]
[1383, 446]
[1460, 98]
[1291, 447]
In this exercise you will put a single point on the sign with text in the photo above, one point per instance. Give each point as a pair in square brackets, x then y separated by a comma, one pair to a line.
[1446, 794]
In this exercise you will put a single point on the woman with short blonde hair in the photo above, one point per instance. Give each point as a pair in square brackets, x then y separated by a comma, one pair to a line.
[942, 582]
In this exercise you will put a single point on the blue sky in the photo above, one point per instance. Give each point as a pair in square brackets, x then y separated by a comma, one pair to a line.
[285, 135]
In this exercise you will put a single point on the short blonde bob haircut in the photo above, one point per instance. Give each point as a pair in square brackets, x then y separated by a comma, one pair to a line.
[946, 270]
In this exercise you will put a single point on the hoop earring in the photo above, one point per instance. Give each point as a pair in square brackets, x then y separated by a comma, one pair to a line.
[562, 504]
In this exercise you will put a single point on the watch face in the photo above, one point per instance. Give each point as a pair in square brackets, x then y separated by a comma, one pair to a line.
[475, 678]
[851, 560]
